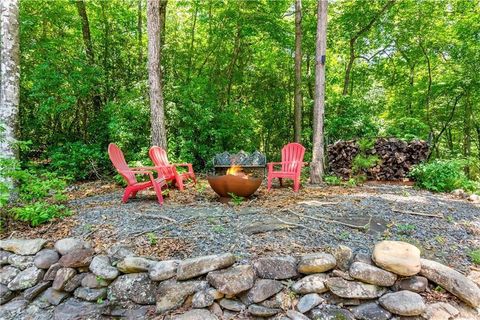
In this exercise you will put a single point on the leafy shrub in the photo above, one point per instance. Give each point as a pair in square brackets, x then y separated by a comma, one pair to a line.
[475, 256]
[363, 162]
[39, 212]
[407, 129]
[332, 180]
[442, 176]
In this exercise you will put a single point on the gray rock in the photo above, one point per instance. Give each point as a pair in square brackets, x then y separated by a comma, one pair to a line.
[233, 280]
[172, 294]
[314, 283]
[282, 300]
[398, 257]
[5, 294]
[62, 277]
[415, 284]
[119, 252]
[21, 262]
[136, 287]
[276, 267]
[74, 283]
[440, 311]
[45, 258]
[4, 257]
[89, 294]
[261, 311]
[202, 299]
[67, 245]
[308, 302]
[370, 311]
[363, 257]
[353, 289]
[228, 315]
[196, 314]
[344, 256]
[52, 272]
[341, 274]
[33, 292]
[404, 303]
[371, 274]
[22, 246]
[77, 258]
[163, 270]
[55, 297]
[451, 280]
[194, 267]
[7, 274]
[94, 282]
[74, 309]
[232, 305]
[130, 311]
[13, 310]
[26, 279]
[134, 265]
[316, 263]
[330, 313]
[264, 289]
[101, 266]
[295, 315]
[332, 299]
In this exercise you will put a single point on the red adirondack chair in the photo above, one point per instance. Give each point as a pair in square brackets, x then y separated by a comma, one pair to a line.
[291, 165]
[169, 170]
[129, 174]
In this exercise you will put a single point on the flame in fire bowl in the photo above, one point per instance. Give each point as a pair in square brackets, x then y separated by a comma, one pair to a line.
[238, 184]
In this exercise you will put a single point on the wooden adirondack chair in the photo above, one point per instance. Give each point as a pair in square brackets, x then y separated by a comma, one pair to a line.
[129, 174]
[291, 165]
[169, 170]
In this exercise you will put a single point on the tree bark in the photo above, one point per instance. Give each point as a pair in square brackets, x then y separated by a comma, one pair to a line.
[10, 76]
[317, 165]
[139, 33]
[87, 39]
[298, 72]
[157, 115]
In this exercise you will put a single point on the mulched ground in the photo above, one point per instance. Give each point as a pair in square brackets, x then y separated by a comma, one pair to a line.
[194, 222]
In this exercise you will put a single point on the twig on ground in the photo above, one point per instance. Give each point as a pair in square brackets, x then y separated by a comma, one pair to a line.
[156, 216]
[418, 213]
[317, 203]
[364, 227]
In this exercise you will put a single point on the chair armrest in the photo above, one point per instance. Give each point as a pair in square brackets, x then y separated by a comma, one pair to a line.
[188, 165]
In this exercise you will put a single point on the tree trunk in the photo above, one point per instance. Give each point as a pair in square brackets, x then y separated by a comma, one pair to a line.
[139, 34]
[157, 116]
[298, 72]
[87, 40]
[10, 76]
[316, 167]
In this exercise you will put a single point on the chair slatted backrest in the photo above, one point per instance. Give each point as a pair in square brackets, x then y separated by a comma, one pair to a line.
[118, 161]
[160, 159]
[293, 154]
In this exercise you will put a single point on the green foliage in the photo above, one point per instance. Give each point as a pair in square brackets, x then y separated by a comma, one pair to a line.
[332, 180]
[366, 144]
[408, 129]
[405, 229]
[362, 162]
[237, 200]
[442, 176]
[152, 238]
[475, 256]
[39, 212]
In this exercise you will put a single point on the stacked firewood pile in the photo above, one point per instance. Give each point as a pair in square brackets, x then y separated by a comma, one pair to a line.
[396, 157]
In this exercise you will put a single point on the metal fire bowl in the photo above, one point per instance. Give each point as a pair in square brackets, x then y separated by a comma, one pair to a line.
[223, 185]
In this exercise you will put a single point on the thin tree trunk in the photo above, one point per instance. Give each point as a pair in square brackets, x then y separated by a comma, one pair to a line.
[298, 72]
[140, 34]
[192, 41]
[87, 40]
[157, 116]
[10, 77]
[317, 165]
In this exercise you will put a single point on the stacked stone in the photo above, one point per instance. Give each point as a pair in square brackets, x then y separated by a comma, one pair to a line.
[71, 282]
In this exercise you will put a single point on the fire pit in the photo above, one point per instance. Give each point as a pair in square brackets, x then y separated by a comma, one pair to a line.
[234, 182]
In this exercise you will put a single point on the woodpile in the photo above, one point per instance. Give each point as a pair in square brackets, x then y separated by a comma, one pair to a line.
[396, 157]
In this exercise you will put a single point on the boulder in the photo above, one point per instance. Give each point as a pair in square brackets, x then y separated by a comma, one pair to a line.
[344, 256]
[194, 267]
[134, 265]
[62, 277]
[21, 262]
[136, 287]
[452, 281]
[415, 284]
[90, 294]
[371, 274]
[196, 314]
[67, 245]
[26, 279]
[45, 258]
[22, 246]
[232, 305]
[33, 292]
[101, 267]
[7, 274]
[277, 268]
[341, 274]
[331, 313]
[55, 297]
[172, 294]
[202, 299]
[163, 270]
[94, 282]
[74, 283]
[5, 294]
[4, 257]
[52, 272]
[261, 311]
[440, 311]
[398, 257]
[314, 283]
[233, 280]
[13, 310]
[353, 289]
[316, 263]
[404, 303]
[295, 315]
[308, 302]
[77, 258]
[74, 309]
[264, 289]
[370, 311]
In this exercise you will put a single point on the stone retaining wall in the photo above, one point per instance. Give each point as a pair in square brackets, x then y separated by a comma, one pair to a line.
[69, 281]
